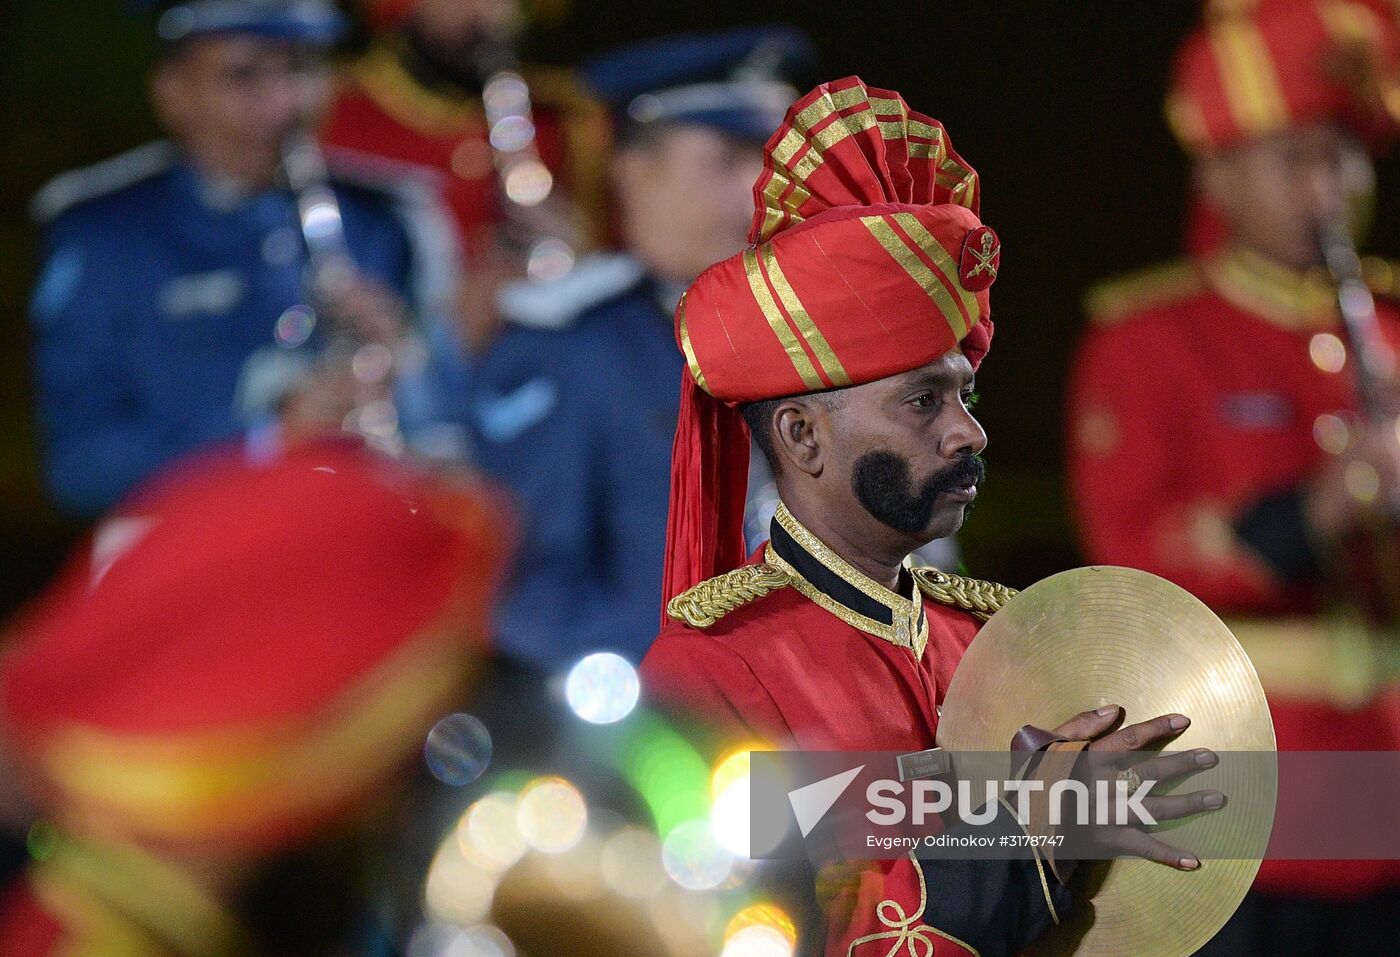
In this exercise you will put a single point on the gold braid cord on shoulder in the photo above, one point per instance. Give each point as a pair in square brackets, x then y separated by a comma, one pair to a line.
[982, 599]
[706, 603]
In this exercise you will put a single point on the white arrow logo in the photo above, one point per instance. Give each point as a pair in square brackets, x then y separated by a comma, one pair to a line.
[810, 803]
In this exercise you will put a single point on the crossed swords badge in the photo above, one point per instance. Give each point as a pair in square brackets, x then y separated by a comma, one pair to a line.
[981, 258]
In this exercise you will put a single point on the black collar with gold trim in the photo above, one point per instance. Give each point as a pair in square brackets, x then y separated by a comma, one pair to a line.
[827, 579]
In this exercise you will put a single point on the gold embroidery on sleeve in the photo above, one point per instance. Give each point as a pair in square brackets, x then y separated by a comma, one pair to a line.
[908, 932]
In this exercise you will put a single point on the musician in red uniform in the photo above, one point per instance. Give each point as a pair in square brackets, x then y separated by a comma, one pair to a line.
[220, 693]
[415, 97]
[847, 338]
[1214, 440]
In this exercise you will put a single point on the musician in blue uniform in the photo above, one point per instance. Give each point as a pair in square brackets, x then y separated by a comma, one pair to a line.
[575, 405]
[172, 274]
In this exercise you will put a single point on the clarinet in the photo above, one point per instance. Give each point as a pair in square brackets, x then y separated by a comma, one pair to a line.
[1374, 360]
[525, 181]
[330, 272]
[1373, 367]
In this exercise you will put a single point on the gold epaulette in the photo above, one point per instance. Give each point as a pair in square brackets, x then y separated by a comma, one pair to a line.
[1120, 297]
[982, 599]
[700, 606]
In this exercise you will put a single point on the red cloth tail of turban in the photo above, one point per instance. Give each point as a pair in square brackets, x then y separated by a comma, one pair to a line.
[709, 489]
[868, 260]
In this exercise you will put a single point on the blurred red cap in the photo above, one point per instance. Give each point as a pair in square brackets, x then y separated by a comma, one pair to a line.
[243, 650]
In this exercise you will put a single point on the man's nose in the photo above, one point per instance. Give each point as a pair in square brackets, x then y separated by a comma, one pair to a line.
[965, 437]
[290, 99]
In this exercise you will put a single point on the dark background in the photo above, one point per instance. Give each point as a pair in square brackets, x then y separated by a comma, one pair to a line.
[1056, 104]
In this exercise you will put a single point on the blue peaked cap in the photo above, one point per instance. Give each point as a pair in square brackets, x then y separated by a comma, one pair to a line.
[315, 22]
[732, 80]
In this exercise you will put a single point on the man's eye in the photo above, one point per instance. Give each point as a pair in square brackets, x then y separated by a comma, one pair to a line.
[923, 400]
[970, 400]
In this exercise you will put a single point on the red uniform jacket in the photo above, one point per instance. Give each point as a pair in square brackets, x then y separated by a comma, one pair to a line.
[384, 111]
[1199, 399]
[830, 660]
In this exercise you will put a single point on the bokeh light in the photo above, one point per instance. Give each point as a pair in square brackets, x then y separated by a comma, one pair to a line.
[665, 769]
[577, 873]
[436, 939]
[488, 834]
[766, 915]
[511, 134]
[1327, 352]
[549, 259]
[694, 857]
[685, 917]
[757, 942]
[1332, 433]
[505, 94]
[321, 220]
[1362, 481]
[631, 862]
[458, 749]
[729, 769]
[729, 815]
[372, 363]
[457, 890]
[551, 815]
[294, 326]
[528, 183]
[602, 688]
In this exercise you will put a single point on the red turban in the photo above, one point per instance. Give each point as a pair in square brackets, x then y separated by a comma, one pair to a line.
[1257, 67]
[868, 260]
[245, 650]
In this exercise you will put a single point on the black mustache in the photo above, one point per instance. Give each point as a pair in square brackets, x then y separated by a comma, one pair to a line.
[968, 470]
[883, 484]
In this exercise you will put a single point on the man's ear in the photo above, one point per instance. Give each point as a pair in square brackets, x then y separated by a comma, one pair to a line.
[800, 428]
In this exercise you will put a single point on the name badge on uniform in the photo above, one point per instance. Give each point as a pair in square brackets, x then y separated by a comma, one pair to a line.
[932, 763]
[1256, 411]
[205, 293]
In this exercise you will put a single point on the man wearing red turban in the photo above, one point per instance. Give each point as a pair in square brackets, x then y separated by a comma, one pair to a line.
[1216, 437]
[845, 340]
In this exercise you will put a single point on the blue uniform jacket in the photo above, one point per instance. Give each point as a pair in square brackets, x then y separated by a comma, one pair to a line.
[154, 291]
[579, 421]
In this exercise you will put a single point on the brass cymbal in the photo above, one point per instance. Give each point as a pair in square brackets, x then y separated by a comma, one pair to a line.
[1101, 635]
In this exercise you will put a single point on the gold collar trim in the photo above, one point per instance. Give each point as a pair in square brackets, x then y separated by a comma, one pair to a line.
[383, 77]
[1296, 301]
[826, 579]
